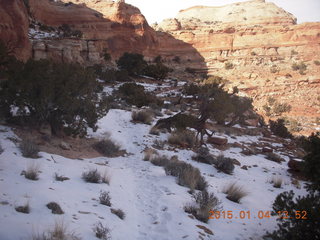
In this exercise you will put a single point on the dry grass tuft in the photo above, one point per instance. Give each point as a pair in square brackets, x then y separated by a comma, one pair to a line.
[101, 232]
[24, 208]
[107, 147]
[276, 181]
[143, 116]
[183, 138]
[32, 171]
[29, 149]
[234, 192]
[118, 212]
[105, 198]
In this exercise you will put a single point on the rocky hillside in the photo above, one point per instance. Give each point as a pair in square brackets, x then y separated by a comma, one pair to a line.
[256, 45]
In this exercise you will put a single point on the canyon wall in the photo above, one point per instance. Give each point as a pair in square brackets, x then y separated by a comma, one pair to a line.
[254, 45]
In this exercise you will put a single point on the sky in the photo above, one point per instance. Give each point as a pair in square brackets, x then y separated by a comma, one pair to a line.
[157, 10]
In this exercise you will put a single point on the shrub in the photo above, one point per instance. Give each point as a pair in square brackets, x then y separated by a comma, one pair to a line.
[299, 66]
[228, 66]
[276, 182]
[191, 89]
[234, 192]
[101, 232]
[55, 208]
[133, 63]
[92, 176]
[66, 96]
[279, 108]
[186, 174]
[311, 162]
[316, 62]
[143, 116]
[32, 171]
[278, 128]
[1, 149]
[203, 156]
[60, 177]
[224, 164]
[105, 198]
[302, 221]
[274, 157]
[59, 232]
[134, 94]
[183, 138]
[118, 212]
[159, 160]
[205, 203]
[29, 149]
[176, 59]
[23, 209]
[105, 177]
[107, 147]
[158, 71]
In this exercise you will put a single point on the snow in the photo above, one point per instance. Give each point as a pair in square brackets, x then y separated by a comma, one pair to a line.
[153, 202]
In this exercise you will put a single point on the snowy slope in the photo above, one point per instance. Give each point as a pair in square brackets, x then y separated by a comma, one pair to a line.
[153, 202]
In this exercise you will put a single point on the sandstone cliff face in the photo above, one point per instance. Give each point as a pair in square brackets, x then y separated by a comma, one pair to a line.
[14, 26]
[258, 43]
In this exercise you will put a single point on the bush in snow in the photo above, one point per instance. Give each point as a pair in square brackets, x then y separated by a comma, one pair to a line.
[224, 164]
[204, 203]
[101, 232]
[183, 138]
[186, 174]
[105, 198]
[66, 96]
[118, 212]
[23, 209]
[203, 156]
[274, 157]
[32, 171]
[29, 149]
[58, 232]
[159, 160]
[92, 176]
[55, 208]
[60, 178]
[1, 149]
[143, 116]
[107, 147]
[234, 192]
[276, 181]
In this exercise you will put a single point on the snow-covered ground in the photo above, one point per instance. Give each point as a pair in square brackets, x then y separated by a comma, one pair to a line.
[152, 201]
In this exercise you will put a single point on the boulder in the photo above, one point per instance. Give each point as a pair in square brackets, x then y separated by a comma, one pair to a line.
[217, 141]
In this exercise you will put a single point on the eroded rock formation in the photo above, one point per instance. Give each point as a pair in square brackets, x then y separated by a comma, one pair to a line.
[255, 45]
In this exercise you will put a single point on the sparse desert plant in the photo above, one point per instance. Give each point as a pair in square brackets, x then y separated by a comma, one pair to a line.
[1, 149]
[105, 198]
[107, 147]
[101, 232]
[32, 171]
[105, 177]
[276, 181]
[186, 174]
[55, 208]
[316, 62]
[158, 144]
[183, 138]
[58, 232]
[142, 116]
[159, 160]
[60, 178]
[118, 212]
[203, 156]
[224, 164]
[29, 149]
[299, 66]
[274, 157]
[234, 192]
[149, 153]
[92, 176]
[278, 128]
[228, 65]
[23, 208]
[204, 203]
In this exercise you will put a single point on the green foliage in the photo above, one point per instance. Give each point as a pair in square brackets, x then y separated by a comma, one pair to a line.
[274, 108]
[294, 227]
[228, 66]
[133, 63]
[312, 160]
[134, 94]
[68, 32]
[106, 55]
[158, 71]
[278, 128]
[302, 67]
[66, 96]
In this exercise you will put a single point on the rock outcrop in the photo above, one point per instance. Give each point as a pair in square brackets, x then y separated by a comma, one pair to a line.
[254, 45]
